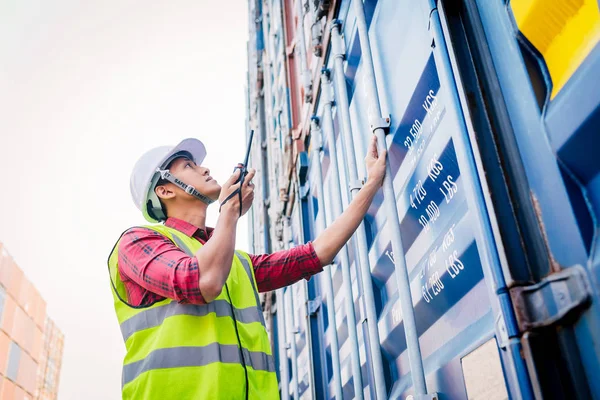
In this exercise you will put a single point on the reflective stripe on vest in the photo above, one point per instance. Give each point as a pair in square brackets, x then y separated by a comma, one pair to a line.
[176, 357]
[155, 316]
[246, 265]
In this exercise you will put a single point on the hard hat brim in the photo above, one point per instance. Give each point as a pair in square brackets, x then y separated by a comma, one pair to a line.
[193, 146]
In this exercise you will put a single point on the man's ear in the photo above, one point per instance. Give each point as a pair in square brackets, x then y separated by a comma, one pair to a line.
[164, 192]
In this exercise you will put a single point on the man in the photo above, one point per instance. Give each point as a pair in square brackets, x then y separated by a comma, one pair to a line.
[186, 300]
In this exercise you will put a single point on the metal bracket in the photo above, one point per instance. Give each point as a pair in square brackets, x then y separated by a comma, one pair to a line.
[303, 191]
[356, 185]
[428, 396]
[338, 46]
[381, 123]
[501, 333]
[312, 306]
[552, 300]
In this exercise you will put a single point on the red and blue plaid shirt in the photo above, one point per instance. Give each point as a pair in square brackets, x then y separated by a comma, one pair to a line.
[153, 268]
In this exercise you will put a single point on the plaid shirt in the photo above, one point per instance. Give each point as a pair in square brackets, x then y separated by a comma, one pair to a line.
[153, 268]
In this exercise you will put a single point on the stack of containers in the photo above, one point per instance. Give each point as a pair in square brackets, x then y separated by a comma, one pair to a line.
[50, 362]
[22, 319]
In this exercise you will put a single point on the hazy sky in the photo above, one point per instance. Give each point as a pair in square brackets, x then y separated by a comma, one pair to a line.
[85, 89]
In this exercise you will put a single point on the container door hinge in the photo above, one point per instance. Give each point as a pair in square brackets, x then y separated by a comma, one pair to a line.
[558, 296]
[381, 123]
[313, 306]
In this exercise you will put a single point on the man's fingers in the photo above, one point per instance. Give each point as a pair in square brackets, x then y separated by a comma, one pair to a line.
[235, 187]
[373, 147]
[249, 177]
[235, 176]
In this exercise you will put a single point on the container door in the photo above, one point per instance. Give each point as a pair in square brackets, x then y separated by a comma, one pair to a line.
[534, 89]
[464, 315]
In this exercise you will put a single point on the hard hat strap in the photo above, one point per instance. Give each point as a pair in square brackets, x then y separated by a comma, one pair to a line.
[189, 189]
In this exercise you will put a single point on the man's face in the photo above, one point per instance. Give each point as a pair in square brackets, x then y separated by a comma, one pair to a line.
[198, 176]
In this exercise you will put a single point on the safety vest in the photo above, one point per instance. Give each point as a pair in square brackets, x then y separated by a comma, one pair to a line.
[219, 350]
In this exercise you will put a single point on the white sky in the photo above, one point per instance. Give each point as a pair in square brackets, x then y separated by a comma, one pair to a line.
[85, 89]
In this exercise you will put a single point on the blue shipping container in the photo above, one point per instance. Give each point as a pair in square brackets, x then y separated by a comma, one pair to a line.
[492, 119]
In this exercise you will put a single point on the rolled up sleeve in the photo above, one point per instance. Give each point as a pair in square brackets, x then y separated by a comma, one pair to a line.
[285, 267]
[150, 263]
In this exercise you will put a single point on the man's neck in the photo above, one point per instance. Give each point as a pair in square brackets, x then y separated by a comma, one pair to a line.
[196, 217]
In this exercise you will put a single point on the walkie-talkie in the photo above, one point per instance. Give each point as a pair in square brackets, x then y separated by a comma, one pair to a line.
[244, 167]
[243, 172]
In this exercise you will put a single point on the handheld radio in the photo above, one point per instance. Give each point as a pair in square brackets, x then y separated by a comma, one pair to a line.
[243, 167]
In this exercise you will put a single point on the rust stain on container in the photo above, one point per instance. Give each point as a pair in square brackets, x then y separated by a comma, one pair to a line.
[554, 265]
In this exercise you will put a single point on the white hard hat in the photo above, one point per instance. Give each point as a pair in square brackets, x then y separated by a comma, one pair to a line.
[145, 175]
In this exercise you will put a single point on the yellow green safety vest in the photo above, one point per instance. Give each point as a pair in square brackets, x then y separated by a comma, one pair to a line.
[219, 350]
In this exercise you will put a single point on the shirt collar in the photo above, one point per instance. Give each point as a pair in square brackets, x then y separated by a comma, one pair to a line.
[189, 229]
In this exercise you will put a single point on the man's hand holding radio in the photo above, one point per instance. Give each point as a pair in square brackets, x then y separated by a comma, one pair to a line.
[230, 202]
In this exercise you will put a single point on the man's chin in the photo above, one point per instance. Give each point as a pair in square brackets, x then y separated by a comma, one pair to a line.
[214, 195]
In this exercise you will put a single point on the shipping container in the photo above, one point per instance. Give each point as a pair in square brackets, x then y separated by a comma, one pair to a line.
[14, 359]
[48, 374]
[2, 300]
[23, 330]
[21, 369]
[11, 276]
[39, 315]
[4, 348]
[8, 315]
[38, 343]
[4, 265]
[26, 297]
[475, 272]
[27, 373]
